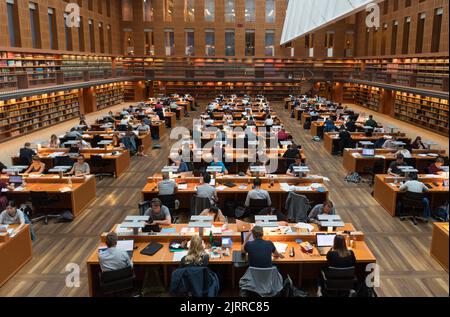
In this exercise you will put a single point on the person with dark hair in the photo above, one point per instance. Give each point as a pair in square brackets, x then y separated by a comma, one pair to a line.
[257, 193]
[326, 208]
[182, 166]
[418, 144]
[111, 258]
[435, 168]
[340, 256]
[345, 139]
[413, 185]
[26, 154]
[36, 167]
[205, 190]
[12, 215]
[214, 212]
[371, 122]
[394, 166]
[291, 169]
[291, 152]
[3, 197]
[159, 214]
[259, 250]
[351, 125]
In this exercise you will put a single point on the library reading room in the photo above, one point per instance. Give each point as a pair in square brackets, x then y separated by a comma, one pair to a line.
[224, 149]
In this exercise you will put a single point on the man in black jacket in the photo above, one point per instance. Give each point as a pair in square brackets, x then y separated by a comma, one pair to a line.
[26, 154]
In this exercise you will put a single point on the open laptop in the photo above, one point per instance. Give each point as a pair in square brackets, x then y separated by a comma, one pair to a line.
[368, 152]
[324, 242]
[16, 180]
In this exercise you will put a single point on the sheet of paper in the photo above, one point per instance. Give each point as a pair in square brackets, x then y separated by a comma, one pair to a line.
[177, 256]
[221, 187]
[65, 189]
[302, 225]
[281, 247]
[187, 230]
[126, 245]
[182, 186]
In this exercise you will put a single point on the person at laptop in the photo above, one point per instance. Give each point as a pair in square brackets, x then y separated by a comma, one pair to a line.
[291, 152]
[390, 143]
[371, 122]
[83, 144]
[394, 169]
[205, 190]
[418, 144]
[26, 154]
[259, 250]
[217, 162]
[197, 255]
[340, 256]
[182, 166]
[257, 193]
[113, 259]
[326, 208]
[413, 185]
[12, 215]
[214, 212]
[405, 152]
[291, 169]
[436, 167]
[80, 168]
[261, 173]
[36, 167]
[54, 142]
[159, 214]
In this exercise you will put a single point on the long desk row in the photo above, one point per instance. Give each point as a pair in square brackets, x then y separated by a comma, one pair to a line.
[302, 266]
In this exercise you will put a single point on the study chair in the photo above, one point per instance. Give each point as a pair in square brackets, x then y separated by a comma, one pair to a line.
[122, 127]
[143, 206]
[198, 204]
[338, 282]
[117, 282]
[42, 202]
[98, 164]
[262, 282]
[376, 168]
[194, 281]
[170, 202]
[255, 206]
[64, 160]
[411, 206]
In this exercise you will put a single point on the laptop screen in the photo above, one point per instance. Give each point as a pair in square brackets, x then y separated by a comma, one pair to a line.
[368, 152]
[325, 240]
[245, 234]
[15, 179]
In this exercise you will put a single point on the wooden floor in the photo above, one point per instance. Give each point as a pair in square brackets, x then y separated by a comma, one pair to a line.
[401, 249]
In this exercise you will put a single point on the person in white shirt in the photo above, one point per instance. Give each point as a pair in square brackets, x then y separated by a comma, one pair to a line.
[83, 144]
[257, 193]
[389, 144]
[269, 121]
[113, 259]
[404, 152]
[413, 185]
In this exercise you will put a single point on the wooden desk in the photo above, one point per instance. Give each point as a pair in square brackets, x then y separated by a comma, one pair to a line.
[387, 194]
[439, 243]
[317, 127]
[143, 138]
[353, 161]
[237, 194]
[301, 267]
[82, 193]
[15, 252]
[171, 119]
[185, 104]
[158, 129]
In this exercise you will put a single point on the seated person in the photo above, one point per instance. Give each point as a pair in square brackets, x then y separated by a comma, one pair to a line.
[182, 166]
[269, 121]
[215, 212]
[259, 250]
[54, 142]
[26, 154]
[217, 162]
[74, 133]
[298, 162]
[326, 208]
[339, 256]
[282, 135]
[435, 168]
[390, 143]
[205, 190]
[11, 215]
[329, 126]
[167, 186]
[413, 185]
[371, 123]
[80, 168]
[159, 214]
[2, 167]
[3, 197]
[393, 167]
[345, 139]
[116, 141]
[143, 127]
[257, 193]
[351, 125]
[113, 259]
[36, 167]
[83, 144]
[405, 152]
[256, 174]
[291, 152]
[197, 255]
[418, 144]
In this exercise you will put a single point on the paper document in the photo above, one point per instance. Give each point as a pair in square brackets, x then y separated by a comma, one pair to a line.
[126, 245]
[281, 247]
[221, 187]
[182, 186]
[177, 256]
[65, 189]
[305, 226]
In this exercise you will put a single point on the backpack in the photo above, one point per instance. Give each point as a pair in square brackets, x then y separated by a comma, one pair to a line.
[353, 178]
[66, 216]
[307, 125]
[316, 138]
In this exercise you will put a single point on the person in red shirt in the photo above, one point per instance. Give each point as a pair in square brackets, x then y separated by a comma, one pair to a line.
[282, 135]
[435, 168]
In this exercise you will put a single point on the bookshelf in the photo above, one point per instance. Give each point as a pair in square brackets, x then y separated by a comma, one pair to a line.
[128, 91]
[75, 66]
[427, 112]
[28, 114]
[368, 96]
[349, 91]
[109, 95]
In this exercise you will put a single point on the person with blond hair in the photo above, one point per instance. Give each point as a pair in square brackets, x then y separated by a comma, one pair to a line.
[197, 255]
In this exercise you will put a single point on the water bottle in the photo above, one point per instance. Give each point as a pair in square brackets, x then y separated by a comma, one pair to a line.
[70, 182]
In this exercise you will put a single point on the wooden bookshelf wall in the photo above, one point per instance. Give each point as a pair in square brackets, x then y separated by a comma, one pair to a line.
[129, 91]
[349, 91]
[28, 114]
[427, 112]
[75, 66]
[109, 95]
[367, 96]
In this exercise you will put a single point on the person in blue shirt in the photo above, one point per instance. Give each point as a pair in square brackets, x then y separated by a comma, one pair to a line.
[217, 162]
[182, 166]
[329, 126]
[298, 162]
